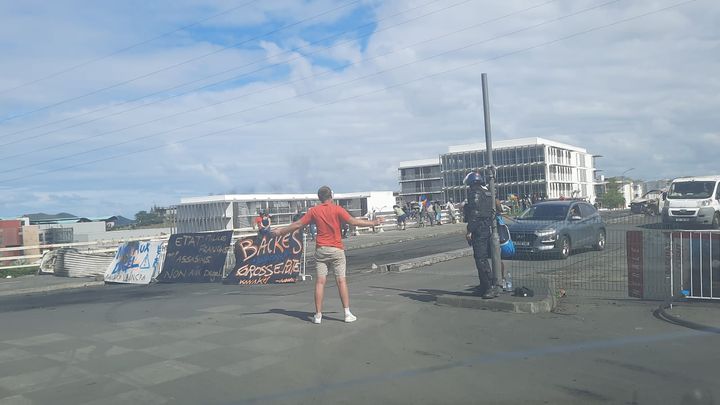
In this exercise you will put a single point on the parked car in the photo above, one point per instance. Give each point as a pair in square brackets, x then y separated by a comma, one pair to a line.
[558, 228]
[649, 204]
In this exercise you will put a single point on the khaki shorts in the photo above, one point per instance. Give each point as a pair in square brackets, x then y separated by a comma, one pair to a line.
[330, 258]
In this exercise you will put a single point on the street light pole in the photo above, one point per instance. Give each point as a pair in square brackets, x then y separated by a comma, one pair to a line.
[622, 184]
[495, 239]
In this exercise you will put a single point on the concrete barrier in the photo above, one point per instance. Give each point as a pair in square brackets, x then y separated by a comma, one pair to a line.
[406, 265]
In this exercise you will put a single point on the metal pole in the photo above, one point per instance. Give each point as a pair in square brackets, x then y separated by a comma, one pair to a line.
[303, 275]
[495, 252]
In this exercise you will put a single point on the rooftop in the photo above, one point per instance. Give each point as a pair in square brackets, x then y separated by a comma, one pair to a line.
[513, 143]
[420, 163]
[273, 197]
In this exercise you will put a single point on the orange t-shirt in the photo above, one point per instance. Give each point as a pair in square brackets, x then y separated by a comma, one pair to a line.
[327, 217]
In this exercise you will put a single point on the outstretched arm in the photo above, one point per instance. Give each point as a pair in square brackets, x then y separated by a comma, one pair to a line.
[364, 222]
[297, 225]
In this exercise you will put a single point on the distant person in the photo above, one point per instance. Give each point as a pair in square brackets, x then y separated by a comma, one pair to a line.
[452, 212]
[437, 209]
[371, 217]
[329, 250]
[401, 216]
[299, 214]
[264, 223]
[415, 211]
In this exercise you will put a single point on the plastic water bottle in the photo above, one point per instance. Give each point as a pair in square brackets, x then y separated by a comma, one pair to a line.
[508, 283]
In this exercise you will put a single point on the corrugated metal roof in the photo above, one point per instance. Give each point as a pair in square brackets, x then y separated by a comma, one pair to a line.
[72, 263]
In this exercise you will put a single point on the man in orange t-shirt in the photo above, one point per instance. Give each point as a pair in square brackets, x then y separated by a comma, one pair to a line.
[329, 249]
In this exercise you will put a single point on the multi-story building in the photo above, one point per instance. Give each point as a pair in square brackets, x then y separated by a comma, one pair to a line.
[237, 211]
[657, 185]
[421, 177]
[527, 166]
[631, 190]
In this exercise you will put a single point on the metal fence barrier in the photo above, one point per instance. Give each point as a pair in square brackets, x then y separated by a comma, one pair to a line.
[694, 260]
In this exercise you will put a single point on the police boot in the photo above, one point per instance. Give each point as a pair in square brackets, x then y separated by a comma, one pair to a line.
[492, 292]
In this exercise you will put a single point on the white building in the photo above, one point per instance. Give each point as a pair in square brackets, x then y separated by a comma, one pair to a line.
[237, 211]
[631, 190]
[526, 166]
[421, 177]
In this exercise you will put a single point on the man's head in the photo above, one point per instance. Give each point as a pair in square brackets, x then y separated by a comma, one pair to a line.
[325, 193]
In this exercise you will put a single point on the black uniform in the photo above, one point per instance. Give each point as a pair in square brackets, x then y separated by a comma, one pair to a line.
[479, 213]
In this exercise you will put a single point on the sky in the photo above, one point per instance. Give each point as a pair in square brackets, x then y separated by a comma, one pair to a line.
[109, 108]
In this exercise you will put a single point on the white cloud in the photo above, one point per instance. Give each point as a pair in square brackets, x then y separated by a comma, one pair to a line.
[637, 93]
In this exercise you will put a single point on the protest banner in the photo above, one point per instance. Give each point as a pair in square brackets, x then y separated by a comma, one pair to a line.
[195, 257]
[266, 259]
[136, 262]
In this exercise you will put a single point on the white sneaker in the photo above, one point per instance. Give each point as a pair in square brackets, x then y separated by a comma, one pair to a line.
[316, 318]
[350, 318]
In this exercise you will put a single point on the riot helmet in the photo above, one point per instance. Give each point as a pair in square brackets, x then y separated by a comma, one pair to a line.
[474, 179]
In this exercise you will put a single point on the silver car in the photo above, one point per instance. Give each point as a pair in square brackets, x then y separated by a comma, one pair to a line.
[558, 228]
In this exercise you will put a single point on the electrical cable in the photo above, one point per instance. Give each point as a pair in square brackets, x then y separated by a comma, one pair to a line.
[127, 48]
[222, 73]
[185, 62]
[350, 64]
[144, 137]
[473, 64]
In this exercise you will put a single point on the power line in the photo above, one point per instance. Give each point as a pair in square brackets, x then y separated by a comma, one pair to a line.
[464, 66]
[185, 62]
[318, 90]
[127, 48]
[227, 71]
[35, 150]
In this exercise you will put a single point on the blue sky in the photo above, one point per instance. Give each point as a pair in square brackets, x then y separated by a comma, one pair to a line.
[288, 109]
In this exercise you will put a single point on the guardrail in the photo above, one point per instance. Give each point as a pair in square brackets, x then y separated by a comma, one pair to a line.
[110, 245]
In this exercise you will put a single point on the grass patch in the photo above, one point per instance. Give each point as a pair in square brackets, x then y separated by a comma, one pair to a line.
[25, 271]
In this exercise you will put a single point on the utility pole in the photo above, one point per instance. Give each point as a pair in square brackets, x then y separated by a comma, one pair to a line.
[495, 245]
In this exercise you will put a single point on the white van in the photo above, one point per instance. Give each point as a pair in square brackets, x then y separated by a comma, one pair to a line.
[693, 200]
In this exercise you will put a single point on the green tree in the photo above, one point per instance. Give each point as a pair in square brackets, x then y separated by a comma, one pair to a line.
[144, 218]
[613, 198]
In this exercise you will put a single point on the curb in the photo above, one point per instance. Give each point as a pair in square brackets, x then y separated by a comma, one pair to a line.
[409, 238]
[532, 306]
[423, 261]
[393, 241]
[546, 301]
[662, 313]
[49, 288]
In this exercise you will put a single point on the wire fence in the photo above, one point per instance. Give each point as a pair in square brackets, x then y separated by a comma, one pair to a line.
[616, 254]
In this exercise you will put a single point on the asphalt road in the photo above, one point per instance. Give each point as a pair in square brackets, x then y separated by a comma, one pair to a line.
[585, 272]
[216, 344]
[223, 344]
[359, 260]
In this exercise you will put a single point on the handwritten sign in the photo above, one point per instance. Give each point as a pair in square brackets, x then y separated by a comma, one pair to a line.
[135, 263]
[196, 257]
[265, 259]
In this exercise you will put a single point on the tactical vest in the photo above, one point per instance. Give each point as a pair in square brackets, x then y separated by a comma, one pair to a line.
[479, 208]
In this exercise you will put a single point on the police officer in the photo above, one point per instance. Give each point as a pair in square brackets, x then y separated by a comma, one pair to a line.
[479, 213]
